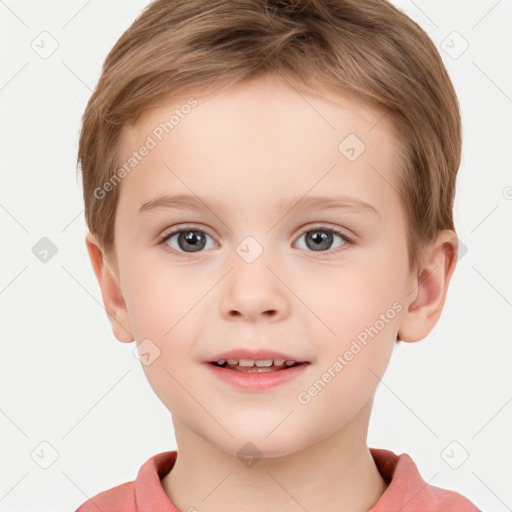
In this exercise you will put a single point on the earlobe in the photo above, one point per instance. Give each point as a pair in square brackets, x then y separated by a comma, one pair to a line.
[113, 300]
[430, 288]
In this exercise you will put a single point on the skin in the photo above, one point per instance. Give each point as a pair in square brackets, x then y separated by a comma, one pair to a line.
[242, 151]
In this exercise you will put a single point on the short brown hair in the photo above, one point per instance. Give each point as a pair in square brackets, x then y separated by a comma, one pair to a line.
[368, 48]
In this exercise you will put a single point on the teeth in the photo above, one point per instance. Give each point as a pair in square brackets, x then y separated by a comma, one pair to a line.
[260, 363]
[265, 362]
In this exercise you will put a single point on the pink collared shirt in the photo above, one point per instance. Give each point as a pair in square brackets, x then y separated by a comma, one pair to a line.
[406, 492]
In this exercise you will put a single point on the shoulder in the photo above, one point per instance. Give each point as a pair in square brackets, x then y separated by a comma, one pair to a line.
[145, 492]
[407, 491]
[121, 497]
[446, 501]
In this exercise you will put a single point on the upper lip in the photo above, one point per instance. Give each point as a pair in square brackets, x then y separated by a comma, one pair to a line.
[255, 355]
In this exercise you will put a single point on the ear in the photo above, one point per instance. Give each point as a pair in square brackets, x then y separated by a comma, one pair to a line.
[110, 290]
[430, 288]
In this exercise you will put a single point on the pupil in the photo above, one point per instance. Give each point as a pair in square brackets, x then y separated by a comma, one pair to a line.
[190, 238]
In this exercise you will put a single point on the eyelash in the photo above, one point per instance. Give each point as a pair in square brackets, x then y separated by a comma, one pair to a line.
[164, 238]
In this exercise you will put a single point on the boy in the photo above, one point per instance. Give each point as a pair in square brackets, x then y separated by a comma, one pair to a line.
[307, 151]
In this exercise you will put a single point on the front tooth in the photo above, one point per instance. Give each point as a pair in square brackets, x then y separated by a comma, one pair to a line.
[232, 361]
[246, 362]
[278, 362]
[264, 363]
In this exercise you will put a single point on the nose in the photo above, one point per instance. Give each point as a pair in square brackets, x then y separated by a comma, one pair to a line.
[253, 291]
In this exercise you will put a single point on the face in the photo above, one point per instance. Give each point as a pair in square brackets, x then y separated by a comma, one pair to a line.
[276, 254]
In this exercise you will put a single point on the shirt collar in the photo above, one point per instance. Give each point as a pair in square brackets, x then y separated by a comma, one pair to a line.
[406, 491]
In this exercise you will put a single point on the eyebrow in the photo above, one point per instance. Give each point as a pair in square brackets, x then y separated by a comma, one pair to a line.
[186, 201]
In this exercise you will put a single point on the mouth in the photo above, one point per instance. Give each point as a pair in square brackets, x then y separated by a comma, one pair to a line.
[256, 365]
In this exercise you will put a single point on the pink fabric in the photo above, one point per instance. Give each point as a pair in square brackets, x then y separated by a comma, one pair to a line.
[407, 491]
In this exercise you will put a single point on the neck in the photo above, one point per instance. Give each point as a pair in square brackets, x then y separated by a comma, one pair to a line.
[333, 474]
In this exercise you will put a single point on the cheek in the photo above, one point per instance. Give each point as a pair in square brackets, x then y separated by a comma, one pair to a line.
[159, 297]
[347, 300]
[161, 309]
[359, 310]
[352, 362]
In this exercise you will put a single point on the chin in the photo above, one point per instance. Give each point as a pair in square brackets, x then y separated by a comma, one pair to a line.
[259, 449]
[255, 441]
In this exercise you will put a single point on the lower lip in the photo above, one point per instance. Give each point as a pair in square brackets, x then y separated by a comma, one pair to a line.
[257, 381]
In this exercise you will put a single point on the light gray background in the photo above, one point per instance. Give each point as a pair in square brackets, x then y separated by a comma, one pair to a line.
[67, 383]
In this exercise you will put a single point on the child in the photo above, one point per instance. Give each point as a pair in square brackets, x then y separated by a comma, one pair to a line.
[307, 151]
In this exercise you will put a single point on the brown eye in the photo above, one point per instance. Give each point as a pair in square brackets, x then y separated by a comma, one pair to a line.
[191, 239]
[321, 240]
[187, 240]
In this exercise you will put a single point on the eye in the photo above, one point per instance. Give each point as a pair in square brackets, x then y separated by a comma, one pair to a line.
[321, 238]
[189, 240]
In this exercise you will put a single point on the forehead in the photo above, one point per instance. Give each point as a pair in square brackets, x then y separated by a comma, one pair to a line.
[269, 98]
[257, 133]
